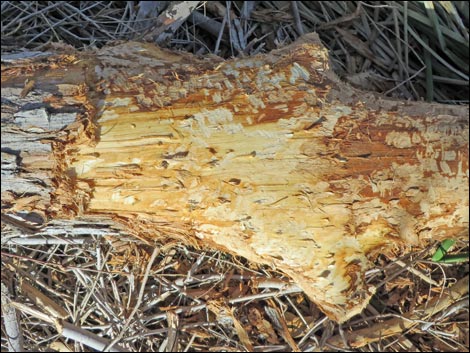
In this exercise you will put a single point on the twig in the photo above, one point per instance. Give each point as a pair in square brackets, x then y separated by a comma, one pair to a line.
[462, 303]
[343, 19]
[405, 81]
[312, 330]
[297, 20]
[362, 337]
[280, 325]
[14, 335]
[85, 337]
[47, 240]
[221, 32]
[194, 308]
[170, 20]
[210, 25]
[19, 223]
[155, 253]
[417, 273]
[33, 312]
[43, 301]
[170, 343]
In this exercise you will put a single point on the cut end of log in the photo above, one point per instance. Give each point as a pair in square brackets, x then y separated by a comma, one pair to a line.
[270, 157]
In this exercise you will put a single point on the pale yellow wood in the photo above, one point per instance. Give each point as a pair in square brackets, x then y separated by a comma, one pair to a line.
[271, 158]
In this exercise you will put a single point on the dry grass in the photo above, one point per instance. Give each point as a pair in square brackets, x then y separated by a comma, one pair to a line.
[411, 50]
[171, 297]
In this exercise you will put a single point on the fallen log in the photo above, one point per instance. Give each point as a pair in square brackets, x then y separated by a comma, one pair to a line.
[270, 157]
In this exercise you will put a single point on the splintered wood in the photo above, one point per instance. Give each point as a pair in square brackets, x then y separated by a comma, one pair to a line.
[270, 157]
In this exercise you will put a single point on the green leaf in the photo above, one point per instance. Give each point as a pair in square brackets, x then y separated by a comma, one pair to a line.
[444, 246]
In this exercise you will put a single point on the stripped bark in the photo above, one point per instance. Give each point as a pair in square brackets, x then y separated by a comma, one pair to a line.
[269, 157]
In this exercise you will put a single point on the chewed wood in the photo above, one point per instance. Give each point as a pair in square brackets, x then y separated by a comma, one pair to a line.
[270, 157]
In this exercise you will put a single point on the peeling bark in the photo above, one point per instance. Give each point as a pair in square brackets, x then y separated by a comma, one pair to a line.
[269, 157]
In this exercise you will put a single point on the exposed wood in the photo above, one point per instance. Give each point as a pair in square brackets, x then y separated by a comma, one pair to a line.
[270, 157]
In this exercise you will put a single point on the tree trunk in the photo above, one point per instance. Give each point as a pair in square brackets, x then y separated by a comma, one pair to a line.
[269, 157]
